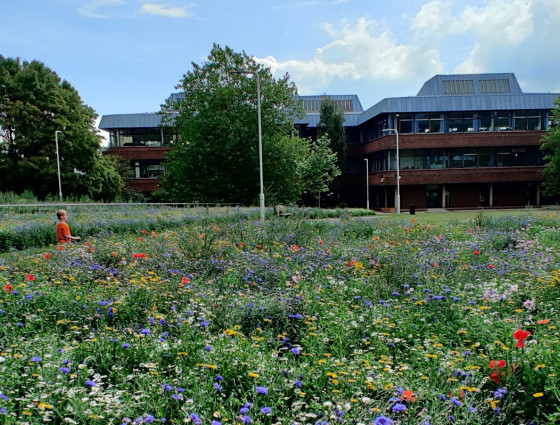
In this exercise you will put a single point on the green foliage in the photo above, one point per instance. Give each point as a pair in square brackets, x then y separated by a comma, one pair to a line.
[217, 156]
[331, 125]
[34, 104]
[320, 168]
[551, 147]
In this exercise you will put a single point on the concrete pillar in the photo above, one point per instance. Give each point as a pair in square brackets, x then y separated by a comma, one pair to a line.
[491, 200]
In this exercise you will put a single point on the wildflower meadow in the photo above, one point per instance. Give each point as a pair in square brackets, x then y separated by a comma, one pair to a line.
[225, 320]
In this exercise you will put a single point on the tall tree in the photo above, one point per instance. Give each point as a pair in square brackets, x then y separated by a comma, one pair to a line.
[551, 146]
[34, 104]
[320, 169]
[217, 156]
[331, 123]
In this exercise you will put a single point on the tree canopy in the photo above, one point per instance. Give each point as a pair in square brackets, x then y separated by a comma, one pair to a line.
[551, 146]
[34, 104]
[216, 158]
[331, 123]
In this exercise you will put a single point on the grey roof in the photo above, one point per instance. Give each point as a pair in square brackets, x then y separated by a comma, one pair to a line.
[439, 85]
[356, 104]
[149, 119]
[441, 93]
[460, 103]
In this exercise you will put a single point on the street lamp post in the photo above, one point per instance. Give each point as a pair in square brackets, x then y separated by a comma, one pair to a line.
[367, 183]
[58, 163]
[398, 203]
[261, 180]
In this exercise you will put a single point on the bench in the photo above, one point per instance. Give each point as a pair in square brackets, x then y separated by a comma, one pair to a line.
[280, 211]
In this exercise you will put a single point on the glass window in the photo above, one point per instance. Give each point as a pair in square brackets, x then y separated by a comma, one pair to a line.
[486, 121]
[502, 121]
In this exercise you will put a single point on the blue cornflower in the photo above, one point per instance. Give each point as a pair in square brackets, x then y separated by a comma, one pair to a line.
[3, 411]
[177, 396]
[208, 348]
[455, 401]
[218, 387]
[167, 387]
[90, 383]
[265, 410]
[247, 419]
[262, 390]
[145, 332]
[298, 383]
[125, 345]
[216, 422]
[149, 419]
[36, 359]
[195, 419]
[295, 351]
[382, 420]
[398, 407]
[64, 370]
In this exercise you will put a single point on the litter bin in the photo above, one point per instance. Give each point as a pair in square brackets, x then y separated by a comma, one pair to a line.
[412, 208]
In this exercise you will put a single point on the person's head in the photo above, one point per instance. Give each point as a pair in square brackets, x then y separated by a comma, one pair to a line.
[60, 214]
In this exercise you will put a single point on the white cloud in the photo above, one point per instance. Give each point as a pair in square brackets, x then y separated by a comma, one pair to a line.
[504, 21]
[164, 10]
[90, 9]
[360, 51]
[472, 64]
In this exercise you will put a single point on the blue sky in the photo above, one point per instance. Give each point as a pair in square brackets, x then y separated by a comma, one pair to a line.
[127, 56]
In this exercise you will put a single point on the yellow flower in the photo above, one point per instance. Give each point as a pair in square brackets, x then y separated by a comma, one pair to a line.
[331, 374]
[253, 375]
[538, 395]
[539, 366]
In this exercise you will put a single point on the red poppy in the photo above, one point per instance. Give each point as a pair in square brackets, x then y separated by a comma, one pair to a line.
[476, 252]
[185, 280]
[494, 377]
[520, 335]
[490, 266]
[144, 232]
[30, 278]
[60, 248]
[497, 364]
[47, 256]
[543, 322]
[9, 288]
[408, 395]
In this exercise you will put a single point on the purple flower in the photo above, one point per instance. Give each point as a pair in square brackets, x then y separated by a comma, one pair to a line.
[208, 348]
[216, 423]
[247, 419]
[64, 370]
[145, 332]
[455, 401]
[398, 407]
[218, 387]
[149, 419]
[36, 359]
[195, 419]
[382, 420]
[90, 383]
[262, 390]
[265, 410]
[177, 396]
[125, 345]
[295, 351]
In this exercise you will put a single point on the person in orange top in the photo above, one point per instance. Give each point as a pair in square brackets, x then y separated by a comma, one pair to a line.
[63, 230]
